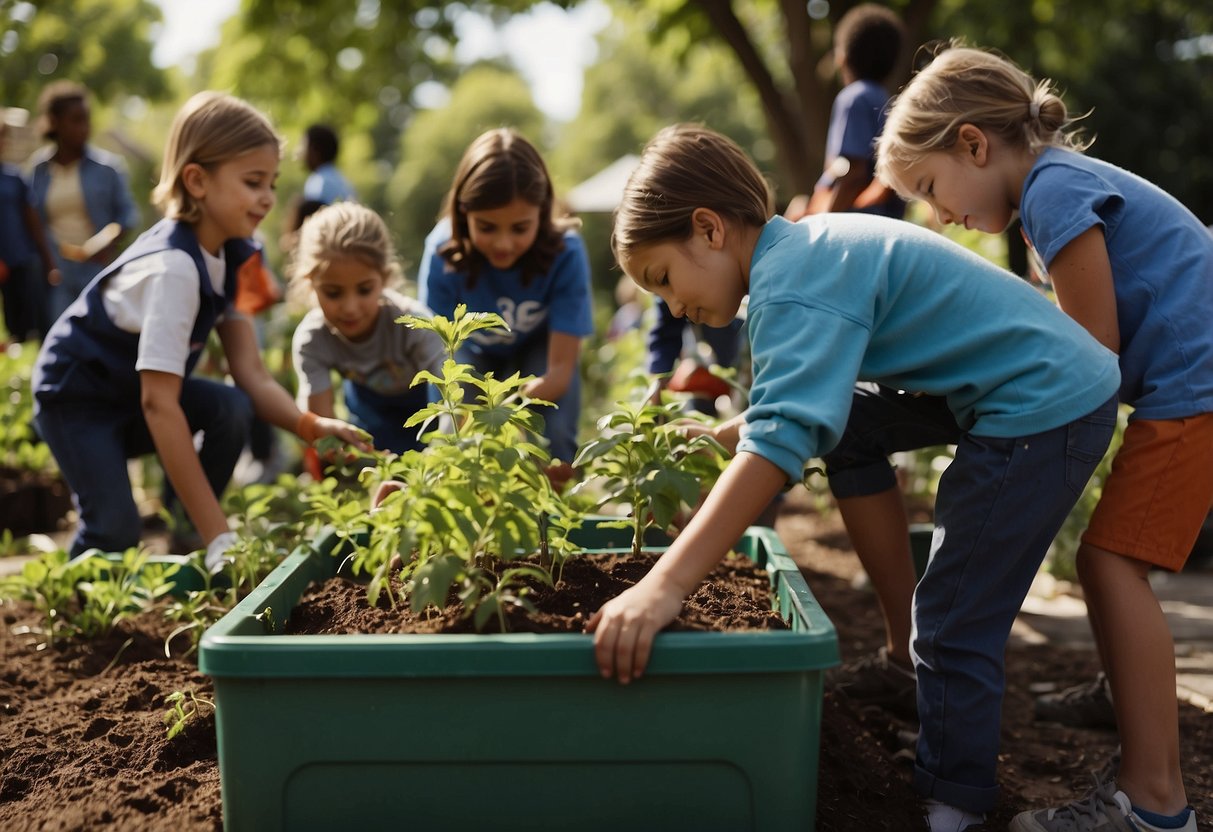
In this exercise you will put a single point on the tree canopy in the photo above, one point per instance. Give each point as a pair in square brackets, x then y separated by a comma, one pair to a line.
[106, 44]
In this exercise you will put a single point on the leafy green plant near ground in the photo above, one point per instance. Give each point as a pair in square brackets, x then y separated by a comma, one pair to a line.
[184, 707]
[474, 505]
[19, 446]
[642, 460]
[87, 596]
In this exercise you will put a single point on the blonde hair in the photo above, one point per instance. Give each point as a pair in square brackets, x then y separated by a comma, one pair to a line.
[971, 86]
[343, 229]
[684, 167]
[211, 129]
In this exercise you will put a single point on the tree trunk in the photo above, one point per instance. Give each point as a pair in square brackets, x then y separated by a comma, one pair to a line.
[783, 119]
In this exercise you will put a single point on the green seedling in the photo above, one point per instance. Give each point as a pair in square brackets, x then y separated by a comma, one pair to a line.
[474, 504]
[184, 707]
[642, 460]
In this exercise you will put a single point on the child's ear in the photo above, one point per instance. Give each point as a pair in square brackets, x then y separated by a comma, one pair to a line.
[972, 140]
[707, 222]
[193, 177]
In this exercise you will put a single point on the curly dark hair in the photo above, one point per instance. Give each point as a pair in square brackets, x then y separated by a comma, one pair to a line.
[870, 35]
[54, 100]
[497, 168]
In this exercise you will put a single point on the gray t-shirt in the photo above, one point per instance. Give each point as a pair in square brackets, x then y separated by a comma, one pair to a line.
[385, 363]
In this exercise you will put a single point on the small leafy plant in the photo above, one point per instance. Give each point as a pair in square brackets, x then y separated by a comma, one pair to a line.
[89, 595]
[643, 460]
[474, 504]
[184, 707]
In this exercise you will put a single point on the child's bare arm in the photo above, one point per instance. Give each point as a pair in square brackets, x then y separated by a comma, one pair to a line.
[563, 352]
[271, 401]
[322, 403]
[624, 627]
[160, 398]
[1082, 278]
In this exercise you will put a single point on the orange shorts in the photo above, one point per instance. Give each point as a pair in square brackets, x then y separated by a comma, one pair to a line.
[1158, 492]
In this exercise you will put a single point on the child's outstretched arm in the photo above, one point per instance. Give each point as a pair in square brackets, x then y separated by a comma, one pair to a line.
[160, 398]
[270, 399]
[625, 626]
[564, 351]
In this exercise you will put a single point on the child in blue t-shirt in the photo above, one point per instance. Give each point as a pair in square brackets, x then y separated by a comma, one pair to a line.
[27, 266]
[843, 297]
[867, 43]
[500, 249]
[979, 140]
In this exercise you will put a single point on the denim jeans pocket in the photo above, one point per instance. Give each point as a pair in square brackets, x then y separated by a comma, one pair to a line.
[1087, 441]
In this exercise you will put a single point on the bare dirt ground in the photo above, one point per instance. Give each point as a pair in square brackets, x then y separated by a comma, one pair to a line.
[83, 745]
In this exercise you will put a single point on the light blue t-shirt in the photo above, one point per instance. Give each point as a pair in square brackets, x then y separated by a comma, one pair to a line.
[1162, 270]
[837, 298]
[558, 301]
[327, 185]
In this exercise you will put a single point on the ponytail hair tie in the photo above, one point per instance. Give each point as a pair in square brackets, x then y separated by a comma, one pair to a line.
[1034, 109]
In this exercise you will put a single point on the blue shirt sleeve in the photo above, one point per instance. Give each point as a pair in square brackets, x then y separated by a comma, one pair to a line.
[570, 310]
[1062, 203]
[665, 339]
[437, 289]
[790, 421]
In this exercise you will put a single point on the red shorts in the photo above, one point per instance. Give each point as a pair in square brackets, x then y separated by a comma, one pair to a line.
[1158, 492]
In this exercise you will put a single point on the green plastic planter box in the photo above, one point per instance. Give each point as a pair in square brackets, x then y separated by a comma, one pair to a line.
[517, 731]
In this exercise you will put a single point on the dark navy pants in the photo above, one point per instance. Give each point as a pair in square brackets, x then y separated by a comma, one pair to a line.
[999, 505]
[92, 441]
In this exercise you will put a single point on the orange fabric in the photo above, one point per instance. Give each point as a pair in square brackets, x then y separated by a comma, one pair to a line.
[1158, 492]
[305, 428]
[256, 288]
[692, 377]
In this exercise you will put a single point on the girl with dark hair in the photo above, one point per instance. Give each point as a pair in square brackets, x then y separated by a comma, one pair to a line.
[500, 248]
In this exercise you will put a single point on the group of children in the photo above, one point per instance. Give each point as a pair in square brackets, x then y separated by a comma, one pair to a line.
[868, 335]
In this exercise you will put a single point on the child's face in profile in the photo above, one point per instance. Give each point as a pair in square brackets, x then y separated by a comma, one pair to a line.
[695, 279]
[502, 235]
[234, 196]
[961, 186]
[348, 292]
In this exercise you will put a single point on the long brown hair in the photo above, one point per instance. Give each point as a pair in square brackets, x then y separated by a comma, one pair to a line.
[497, 168]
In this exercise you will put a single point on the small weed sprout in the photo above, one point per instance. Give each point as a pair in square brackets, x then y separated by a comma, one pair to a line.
[184, 707]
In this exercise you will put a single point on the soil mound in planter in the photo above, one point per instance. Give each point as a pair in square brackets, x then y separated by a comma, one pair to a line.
[736, 596]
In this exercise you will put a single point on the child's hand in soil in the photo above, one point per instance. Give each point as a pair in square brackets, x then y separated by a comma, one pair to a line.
[625, 626]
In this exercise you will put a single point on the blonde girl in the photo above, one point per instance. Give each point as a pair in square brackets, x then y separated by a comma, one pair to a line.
[346, 262]
[981, 141]
[112, 380]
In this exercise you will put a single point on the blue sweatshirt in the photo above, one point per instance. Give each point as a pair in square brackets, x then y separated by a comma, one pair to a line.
[840, 298]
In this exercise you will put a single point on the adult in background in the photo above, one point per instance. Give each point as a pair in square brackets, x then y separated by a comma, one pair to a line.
[80, 192]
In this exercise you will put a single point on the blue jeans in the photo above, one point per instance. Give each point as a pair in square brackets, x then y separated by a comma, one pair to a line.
[383, 417]
[531, 359]
[999, 505]
[92, 443]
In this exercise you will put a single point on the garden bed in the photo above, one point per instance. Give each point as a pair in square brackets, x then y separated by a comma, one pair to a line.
[85, 749]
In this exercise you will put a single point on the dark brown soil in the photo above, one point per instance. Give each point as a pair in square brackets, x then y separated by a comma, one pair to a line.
[82, 743]
[735, 597]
